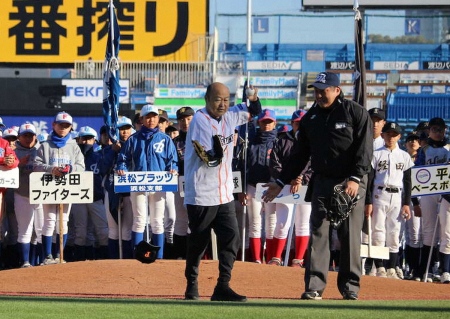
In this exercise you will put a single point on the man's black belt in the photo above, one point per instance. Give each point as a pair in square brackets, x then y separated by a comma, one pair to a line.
[390, 189]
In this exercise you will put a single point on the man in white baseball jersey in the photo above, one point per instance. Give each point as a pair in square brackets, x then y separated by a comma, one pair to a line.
[209, 186]
[391, 196]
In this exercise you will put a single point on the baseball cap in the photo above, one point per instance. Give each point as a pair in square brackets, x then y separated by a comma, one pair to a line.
[185, 111]
[377, 112]
[267, 114]
[297, 115]
[63, 117]
[163, 115]
[1, 122]
[124, 121]
[324, 80]
[437, 121]
[284, 128]
[87, 131]
[392, 126]
[422, 126]
[148, 108]
[27, 128]
[412, 136]
[10, 132]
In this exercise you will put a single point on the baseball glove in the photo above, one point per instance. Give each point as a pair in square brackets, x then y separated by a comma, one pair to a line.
[213, 157]
[146, 252]
[341, 204]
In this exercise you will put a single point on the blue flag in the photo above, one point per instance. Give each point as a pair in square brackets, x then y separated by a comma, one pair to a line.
[111, 86]
[359, 78]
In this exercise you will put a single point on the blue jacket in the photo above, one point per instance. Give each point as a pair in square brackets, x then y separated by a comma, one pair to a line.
[258, 157]
[92, 161]
[157, 153]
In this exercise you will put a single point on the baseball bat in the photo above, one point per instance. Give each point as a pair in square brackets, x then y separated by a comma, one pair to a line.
[61, 234]
[119, 225]
[244, 184]
[289, 240]
[431, 249]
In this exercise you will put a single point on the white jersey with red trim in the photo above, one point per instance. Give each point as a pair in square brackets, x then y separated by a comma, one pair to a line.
[211, 186]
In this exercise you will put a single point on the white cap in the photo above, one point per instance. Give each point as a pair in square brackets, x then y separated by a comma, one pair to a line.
[9, 132]
[42, 137]
[63, 117]
[124, 121]
[27, 128]
[146, 109]
[87, 131]
[1, 122]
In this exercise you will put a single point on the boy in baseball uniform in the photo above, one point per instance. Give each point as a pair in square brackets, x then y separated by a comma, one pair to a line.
[391, 196]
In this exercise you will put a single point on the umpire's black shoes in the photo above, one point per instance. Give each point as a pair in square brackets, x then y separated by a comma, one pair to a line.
[311, 295]
[223, 292]
[350, 295]
[191, 291]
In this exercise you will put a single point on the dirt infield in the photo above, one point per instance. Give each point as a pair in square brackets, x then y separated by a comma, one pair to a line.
[165, 279]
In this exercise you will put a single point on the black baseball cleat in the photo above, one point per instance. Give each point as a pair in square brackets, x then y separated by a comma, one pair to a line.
[311, 295]
[225, 293]
[350, 295]
[191, 291]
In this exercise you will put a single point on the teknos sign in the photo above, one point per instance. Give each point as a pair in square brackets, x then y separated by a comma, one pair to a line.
[91, 91]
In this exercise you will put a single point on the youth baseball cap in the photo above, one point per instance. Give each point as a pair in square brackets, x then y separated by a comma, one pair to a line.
[27, 128]
[324, 80]
[377, 112]
[267, 114]
[163, 115]
[422, 126]
[297, 115]
[124, 121]
[10, 132]
[412, 136]
[146, 109]
[63, 117]
[1, 123]
[185, 111]
[87, 131]
[284, 128]
[437, 121]
[392, 127]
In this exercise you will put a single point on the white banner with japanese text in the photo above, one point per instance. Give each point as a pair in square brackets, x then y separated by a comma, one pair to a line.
[148, 181]
[73, 188]
[430, 180]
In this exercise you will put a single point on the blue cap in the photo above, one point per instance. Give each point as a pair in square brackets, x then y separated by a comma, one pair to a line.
[87, 131]
[297, 115]
[124, 121]
[324, 80]
[146, 109]
[267, 114]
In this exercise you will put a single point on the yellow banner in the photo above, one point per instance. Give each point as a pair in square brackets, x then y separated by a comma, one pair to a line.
[63, 31]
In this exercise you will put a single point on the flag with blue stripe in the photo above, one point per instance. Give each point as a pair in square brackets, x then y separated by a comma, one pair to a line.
[111, 86]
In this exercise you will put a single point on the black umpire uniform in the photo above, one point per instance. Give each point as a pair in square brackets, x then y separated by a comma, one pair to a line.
[339, 141]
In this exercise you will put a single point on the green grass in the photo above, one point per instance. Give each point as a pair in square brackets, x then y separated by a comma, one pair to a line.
[67, 308]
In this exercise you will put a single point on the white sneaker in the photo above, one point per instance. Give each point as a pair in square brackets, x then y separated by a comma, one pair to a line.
[26, 265]
[381, 272]
[399, 272]
[445, 278]
[49, 260]
[428, 279]
[391, 273]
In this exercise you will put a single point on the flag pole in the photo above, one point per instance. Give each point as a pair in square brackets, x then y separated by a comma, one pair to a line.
[359, 78]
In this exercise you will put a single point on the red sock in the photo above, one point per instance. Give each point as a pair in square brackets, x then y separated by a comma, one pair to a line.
[301, 244]
[255, 248]
[269, 249]
[277, 247]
